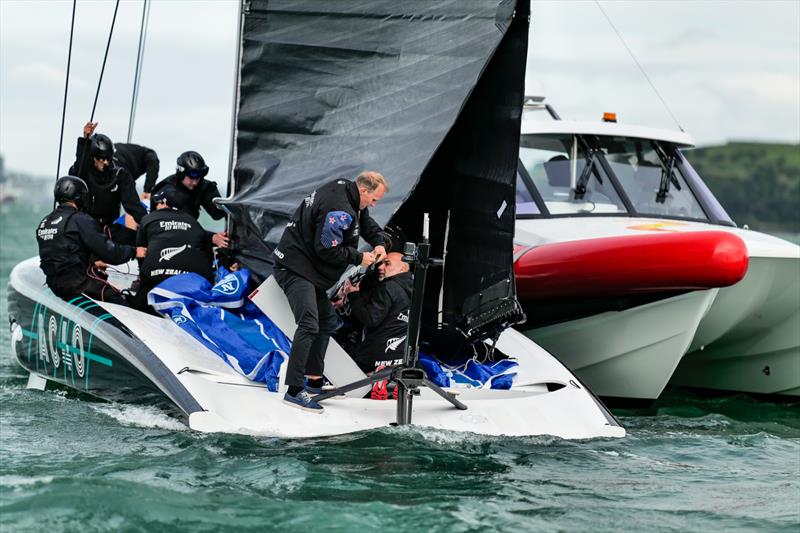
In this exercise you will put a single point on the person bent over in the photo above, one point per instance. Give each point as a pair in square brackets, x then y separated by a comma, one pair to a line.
[319, 243]
[176, 244]
[70, 240]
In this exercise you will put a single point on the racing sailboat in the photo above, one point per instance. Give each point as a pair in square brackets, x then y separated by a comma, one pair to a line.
[430, 95]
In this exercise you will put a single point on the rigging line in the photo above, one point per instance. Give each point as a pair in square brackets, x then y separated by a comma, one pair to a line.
[105, 57]
[66, 88]
[638, 65]
[139, 64]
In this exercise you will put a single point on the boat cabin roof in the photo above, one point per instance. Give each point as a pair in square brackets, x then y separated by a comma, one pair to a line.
[611, 129]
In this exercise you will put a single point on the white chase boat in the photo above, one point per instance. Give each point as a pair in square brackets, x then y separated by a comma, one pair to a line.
[633, 274]
[307, 113]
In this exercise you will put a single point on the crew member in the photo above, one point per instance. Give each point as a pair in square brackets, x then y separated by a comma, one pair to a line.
[109, 185]
[382, 308]
[318, 244]
[194, 191]
[70, 240]
[138, 160]
[176, 243]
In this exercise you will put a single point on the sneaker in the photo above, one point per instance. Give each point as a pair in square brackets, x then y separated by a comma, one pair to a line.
[303, 401]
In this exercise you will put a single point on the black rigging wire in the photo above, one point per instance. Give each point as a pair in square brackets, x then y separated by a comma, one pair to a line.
[99, 83]
[66, 88]
[139, 61]
[663, 102]
[105, 57]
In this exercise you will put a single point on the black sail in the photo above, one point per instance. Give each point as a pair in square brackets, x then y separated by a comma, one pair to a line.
[429, 93]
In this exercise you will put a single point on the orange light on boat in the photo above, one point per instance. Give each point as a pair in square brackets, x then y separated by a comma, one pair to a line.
[609, 117]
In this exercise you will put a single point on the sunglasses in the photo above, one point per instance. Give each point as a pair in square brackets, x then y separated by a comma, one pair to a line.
[106, 159]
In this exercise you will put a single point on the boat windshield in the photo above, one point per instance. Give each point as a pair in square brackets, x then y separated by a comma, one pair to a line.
[649, 174]
[548, 158]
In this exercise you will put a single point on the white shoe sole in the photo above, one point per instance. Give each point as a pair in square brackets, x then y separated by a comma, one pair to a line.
[306, 409]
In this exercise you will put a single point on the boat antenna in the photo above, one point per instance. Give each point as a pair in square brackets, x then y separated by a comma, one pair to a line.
[66, 88]
[105, 57]
[139, 60]
[603, 11]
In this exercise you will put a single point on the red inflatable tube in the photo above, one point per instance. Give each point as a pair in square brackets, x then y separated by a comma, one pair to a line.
[632, 264]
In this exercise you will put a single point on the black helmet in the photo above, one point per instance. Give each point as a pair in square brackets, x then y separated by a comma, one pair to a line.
[191, 164]
[169, 195]
[101, 147]
[71, 189]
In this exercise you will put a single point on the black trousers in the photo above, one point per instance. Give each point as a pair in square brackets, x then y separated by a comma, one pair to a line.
[93, 288]
[316, 321]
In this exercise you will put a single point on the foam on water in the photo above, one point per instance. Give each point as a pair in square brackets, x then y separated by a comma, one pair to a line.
[140, 416]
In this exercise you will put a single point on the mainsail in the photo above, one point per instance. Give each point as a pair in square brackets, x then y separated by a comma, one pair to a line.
[427, 93]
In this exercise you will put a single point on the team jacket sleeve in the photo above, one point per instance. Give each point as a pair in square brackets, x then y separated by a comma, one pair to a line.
[151, 166]
[371, 308]
[210, 192]
[371, 230]
[130, 200]
[329, 235]
[102, 247]
[75, 169]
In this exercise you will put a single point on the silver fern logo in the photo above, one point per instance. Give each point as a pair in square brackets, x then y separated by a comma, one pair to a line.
[393, 343]
[56, 221]
[169, 253]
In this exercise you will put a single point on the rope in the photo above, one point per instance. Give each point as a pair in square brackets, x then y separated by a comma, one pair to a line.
[105, 57]
[663, 102]
[139, 61]
[66, 88]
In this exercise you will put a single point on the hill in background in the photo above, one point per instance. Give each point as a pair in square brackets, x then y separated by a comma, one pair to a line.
[758, 184]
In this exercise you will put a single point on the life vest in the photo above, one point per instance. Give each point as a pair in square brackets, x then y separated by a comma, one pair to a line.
[60, 254]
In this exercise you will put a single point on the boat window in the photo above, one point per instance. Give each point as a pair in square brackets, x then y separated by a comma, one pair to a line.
[651, 179]
[525, 202]
[547, 160]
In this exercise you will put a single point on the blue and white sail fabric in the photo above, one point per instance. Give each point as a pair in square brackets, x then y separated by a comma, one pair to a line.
[470, 374]
[222, 319]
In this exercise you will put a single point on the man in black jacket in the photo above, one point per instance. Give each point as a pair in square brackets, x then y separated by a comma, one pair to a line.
[382, 308]
[176, 243]
[109, 185]
[138, 160]
[319, 243]
[70, 241]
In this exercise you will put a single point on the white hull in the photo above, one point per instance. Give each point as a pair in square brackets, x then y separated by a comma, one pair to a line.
[742, 329]
[632, 353]
[750, 339]
[215, 398]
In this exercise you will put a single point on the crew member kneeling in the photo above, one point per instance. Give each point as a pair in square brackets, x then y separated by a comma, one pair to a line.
[319, 243]
[176, 244]
[382, 308]
[70, 240]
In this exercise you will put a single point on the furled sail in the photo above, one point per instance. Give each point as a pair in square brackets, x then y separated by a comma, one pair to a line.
[427, 93]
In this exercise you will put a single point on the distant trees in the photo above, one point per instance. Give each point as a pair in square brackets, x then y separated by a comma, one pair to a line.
[757, 183]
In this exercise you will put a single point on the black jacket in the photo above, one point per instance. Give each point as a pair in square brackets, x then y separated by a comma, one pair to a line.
[107, 189]
[176, 243]
[321, 239]
[138, 160]
[383, 311]
[191, 201]
[69, 241]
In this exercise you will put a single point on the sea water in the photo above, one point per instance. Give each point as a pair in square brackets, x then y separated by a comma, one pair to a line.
[72, 463]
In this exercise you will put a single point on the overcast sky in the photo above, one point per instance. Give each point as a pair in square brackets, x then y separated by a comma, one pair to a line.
[727, 70]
